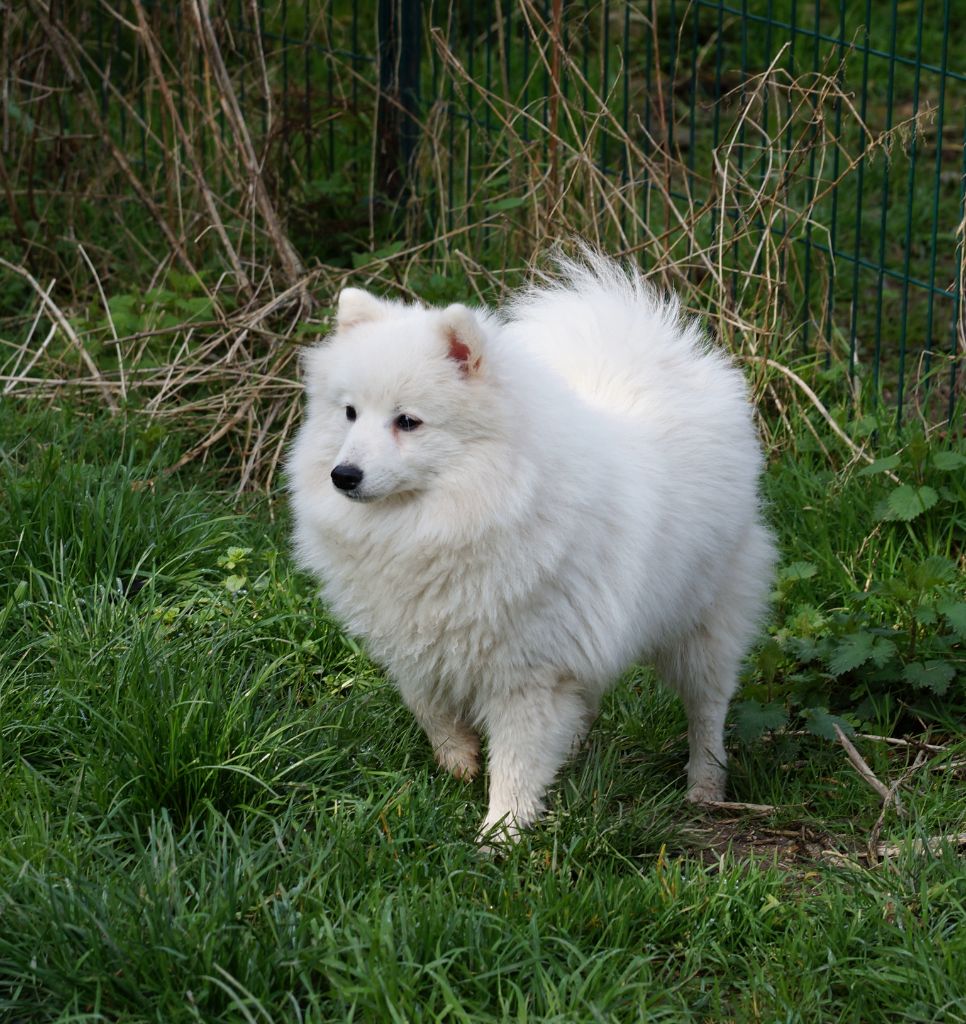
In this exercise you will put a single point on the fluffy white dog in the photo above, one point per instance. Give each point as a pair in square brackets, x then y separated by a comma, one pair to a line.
[513, 508]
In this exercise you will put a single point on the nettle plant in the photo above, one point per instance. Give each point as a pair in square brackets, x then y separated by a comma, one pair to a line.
[897, 644]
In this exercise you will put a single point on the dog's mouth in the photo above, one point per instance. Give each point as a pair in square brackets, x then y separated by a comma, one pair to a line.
[391, 499]
[356, 496]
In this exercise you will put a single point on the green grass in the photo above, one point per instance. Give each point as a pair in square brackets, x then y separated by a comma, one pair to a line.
[214, 808]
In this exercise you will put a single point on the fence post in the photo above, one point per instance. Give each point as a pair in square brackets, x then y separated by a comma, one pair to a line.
[397, 124]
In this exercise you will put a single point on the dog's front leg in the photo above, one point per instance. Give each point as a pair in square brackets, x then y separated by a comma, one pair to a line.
[456, 746]
[531, 730]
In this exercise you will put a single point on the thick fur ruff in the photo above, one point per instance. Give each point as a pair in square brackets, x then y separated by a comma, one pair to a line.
[579, 491]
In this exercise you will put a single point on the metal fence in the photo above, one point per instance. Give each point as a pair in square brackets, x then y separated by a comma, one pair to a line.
[843, 123]
[797, 169]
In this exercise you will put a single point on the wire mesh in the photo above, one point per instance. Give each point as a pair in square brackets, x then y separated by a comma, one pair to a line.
[809, 154]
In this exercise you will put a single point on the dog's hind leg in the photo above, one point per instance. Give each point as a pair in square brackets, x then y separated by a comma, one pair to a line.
[703, 666]
[531, 730]
[704, 673]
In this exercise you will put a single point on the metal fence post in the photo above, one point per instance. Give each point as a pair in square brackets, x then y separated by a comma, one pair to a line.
[397, 121]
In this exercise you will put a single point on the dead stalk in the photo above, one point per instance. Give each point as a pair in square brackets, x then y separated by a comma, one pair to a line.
[719, 231]
[57, 315]
[150, 46]
[888, 795]
[291, 264]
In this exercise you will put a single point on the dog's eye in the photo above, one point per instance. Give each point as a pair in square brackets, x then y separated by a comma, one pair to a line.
[350, 412]
[405, 422]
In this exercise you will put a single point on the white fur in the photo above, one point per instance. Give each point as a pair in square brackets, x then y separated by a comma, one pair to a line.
[582, 493]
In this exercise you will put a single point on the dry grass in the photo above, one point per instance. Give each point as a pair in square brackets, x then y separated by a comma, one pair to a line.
[721, 228]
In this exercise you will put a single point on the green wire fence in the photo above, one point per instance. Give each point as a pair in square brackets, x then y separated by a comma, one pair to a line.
[796, 170]
[856, 108]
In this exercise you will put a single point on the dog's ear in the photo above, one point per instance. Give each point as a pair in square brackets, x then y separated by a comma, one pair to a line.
[358, 307]
[464, 338]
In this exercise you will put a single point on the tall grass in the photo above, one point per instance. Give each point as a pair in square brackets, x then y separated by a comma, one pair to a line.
[176, 170]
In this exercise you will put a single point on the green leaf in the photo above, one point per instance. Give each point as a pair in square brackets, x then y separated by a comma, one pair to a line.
[510, 203]
[185, 284]
[930, 573]
[125, 323]
[313, 330]
[883, 651]
[852, 650]
[865, 426]
[896, 589]
[955, 614]
[769, 658]
[947, 461]
[806, 649]
[753, 718]
[161, 296]
[880, 465]
[926, 615]
[200, 306]
[363, 259]
[122, 303]
[167, 321]
[235, 583]
[233, 557]
[857, 648]
[807, 621]
[907, 502]
[797, 571]
[820, 723]
[930, 675]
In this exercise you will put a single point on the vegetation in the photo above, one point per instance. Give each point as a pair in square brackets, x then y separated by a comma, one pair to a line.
[212, 806]
[192, 204]
[888, 649]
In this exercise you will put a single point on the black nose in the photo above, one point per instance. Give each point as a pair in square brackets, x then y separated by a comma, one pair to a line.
[346, 477]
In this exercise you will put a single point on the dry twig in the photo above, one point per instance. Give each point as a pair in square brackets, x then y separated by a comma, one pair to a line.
[64, 324]
[889, 796]
[736, 805]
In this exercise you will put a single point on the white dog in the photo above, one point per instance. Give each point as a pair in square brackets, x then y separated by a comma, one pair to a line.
[513, 508]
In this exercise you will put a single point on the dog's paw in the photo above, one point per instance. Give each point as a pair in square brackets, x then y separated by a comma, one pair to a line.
[460, 756]
[497, 836]
[709, 791]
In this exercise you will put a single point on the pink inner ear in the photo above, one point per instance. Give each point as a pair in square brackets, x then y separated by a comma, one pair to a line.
[459, 351]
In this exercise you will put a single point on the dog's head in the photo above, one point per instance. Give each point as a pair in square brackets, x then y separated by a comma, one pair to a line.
[395, 394]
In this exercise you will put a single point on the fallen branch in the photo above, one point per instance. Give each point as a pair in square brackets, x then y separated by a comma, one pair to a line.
[888, 795]
[737, 805]
[886, 851]
[873, 841]
[920, 846]
[895, 741]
